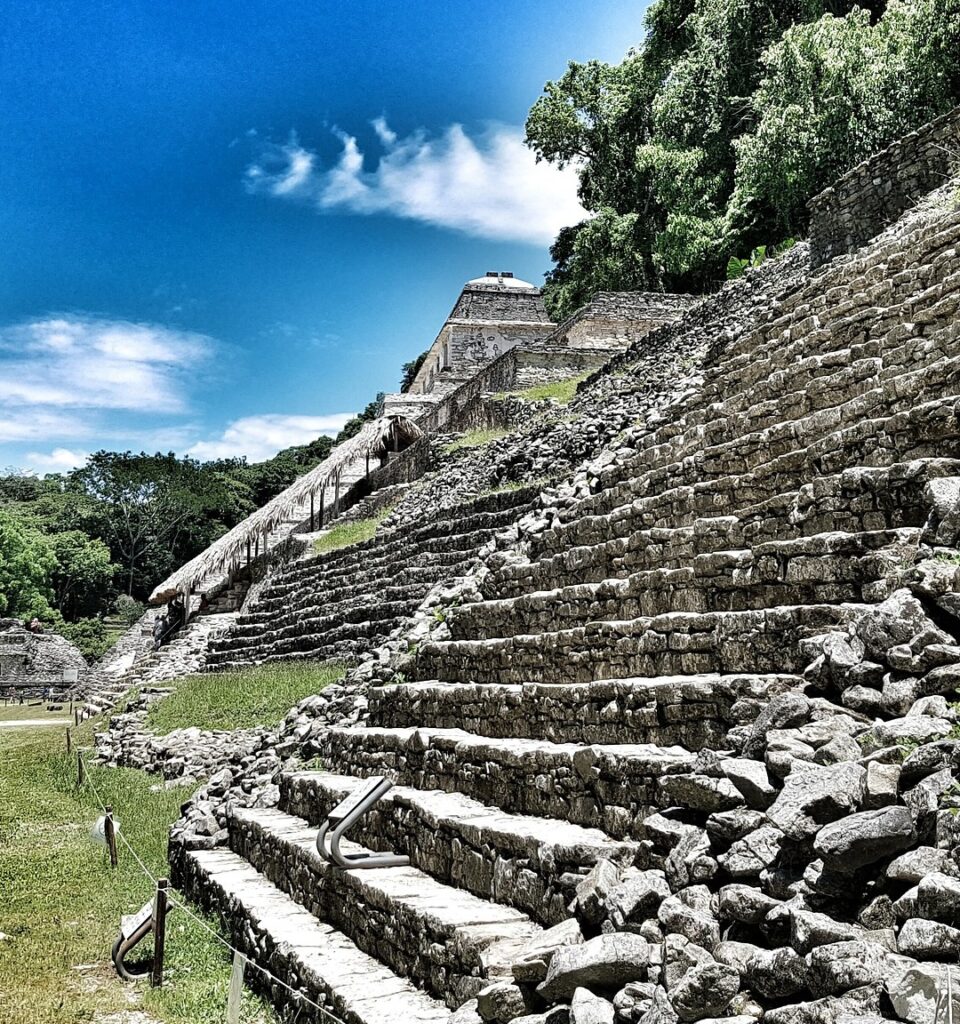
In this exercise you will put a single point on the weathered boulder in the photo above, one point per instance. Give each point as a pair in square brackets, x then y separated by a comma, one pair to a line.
[812, 797]
[608, 961]
[635, 899]
[531, 964]
[501, 1002]
[928, 940]
[864, 838]
[704, 991]
[586, 1008]
[776, 973]
[918, 996]
[840, 966]
[855, 1005]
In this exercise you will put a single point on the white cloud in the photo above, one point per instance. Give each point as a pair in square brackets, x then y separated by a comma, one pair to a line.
[32, 424]
[87, 363]
[60, 460]
[490, 186]
[260, 437]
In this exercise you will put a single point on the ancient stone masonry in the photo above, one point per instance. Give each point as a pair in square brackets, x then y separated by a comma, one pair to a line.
[37, 659]
[342, 603]
[683, 743]
[875, 193]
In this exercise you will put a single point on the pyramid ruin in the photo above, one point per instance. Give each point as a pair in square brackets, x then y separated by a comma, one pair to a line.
[665, 678]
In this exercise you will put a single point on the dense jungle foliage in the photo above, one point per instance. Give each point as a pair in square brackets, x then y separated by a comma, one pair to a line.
[708, 139]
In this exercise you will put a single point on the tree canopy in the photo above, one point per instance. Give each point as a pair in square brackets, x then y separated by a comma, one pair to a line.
[708, 139]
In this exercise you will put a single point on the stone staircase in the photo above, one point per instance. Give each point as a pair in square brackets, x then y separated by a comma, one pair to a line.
[583, 713]
[341, 603]
[184, 655]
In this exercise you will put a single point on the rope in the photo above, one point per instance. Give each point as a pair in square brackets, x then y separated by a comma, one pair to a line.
[327, 1015]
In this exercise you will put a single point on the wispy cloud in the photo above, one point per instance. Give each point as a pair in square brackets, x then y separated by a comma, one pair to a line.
[489, 186]
[260, 437]
[29, 423]
[86, 363]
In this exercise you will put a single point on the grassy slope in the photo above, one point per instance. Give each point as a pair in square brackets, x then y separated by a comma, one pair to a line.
[344, 534]
[561, 390]
[60, 902]
[240, 700]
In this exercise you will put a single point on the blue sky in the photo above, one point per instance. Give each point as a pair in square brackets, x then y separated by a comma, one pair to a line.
[227, 224]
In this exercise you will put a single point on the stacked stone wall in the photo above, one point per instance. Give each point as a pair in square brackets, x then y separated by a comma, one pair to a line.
[876, 192]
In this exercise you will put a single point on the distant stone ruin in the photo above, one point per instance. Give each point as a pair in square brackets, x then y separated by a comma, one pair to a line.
[666, 679]
[32, 661]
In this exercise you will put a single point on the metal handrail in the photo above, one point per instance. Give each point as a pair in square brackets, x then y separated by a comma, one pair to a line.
[124, 945]
[345, 814]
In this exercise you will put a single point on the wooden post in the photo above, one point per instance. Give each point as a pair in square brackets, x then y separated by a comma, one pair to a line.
[323, 498]
[110, 835]
[79, 770]
[76, 716]
[368, 463]
[248, 553]
[311, 511]
[236, 988]
[68, 739]
[159, 932]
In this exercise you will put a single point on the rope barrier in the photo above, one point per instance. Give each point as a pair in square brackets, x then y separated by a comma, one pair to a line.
[332, 1018]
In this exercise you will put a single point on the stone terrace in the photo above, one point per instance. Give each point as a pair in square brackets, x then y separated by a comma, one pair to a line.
[343, 603]
[654, 768]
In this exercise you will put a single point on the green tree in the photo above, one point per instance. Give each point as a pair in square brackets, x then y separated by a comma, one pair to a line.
[409, 370]
[157, 510]
[83, 577]
[27, 562]
[708, 139]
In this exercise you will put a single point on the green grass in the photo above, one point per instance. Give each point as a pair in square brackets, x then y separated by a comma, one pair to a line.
[31, 709]
[474, 439]
[60, 902]
[240, 700]
[562, 391]
[344, 534]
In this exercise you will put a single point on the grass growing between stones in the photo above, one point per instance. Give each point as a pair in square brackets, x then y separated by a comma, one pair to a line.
[60, 902]
[562, 391]
[342, 535]
[240, 700]
[474, 439]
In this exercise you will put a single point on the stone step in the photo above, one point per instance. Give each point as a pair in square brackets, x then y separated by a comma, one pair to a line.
[445, 940]
[681, 494]
[693, 711]
[392, 587]
[723, 434]
[854, 498]
[824, 569]
[441, 551]
[439, 533]
[612, 787]
[281, 937]
[531, 864]
[676, 643]
[321, 616]
[345, 641]
[925, 430]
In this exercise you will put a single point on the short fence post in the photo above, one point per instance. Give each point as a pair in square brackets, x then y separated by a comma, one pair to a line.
[76, 716]
[68, 739]
[79, 770]
[236, 988]
[109, 833]
[159, 932]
